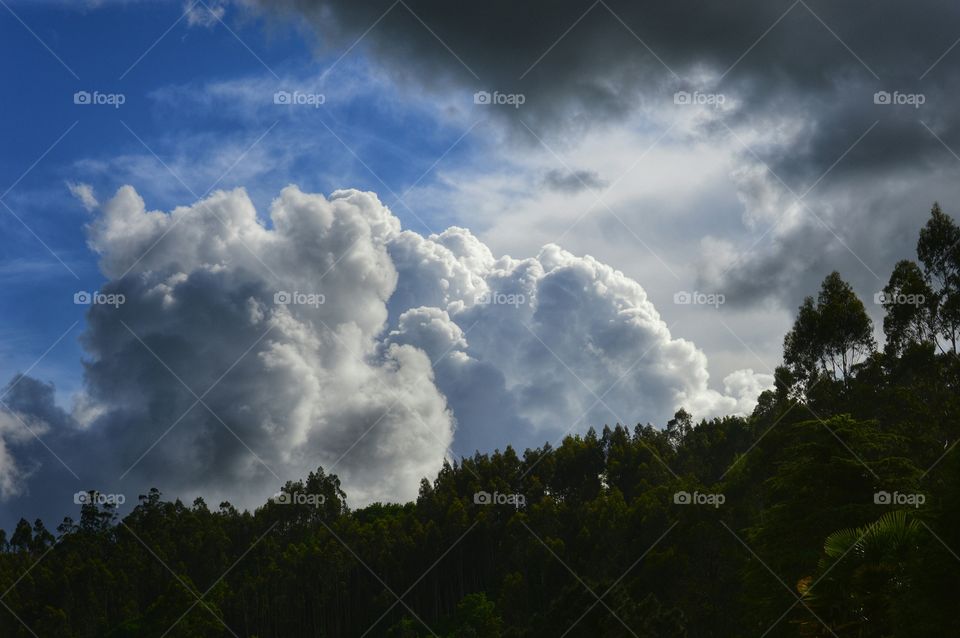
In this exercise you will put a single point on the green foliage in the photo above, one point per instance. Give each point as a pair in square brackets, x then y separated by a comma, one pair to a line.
[476, 617]
[831, 335]
[911, 308]
[769, 525]
[939, 251]
[863, 577]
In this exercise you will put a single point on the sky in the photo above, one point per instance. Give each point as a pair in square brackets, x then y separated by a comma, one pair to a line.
[375, 236]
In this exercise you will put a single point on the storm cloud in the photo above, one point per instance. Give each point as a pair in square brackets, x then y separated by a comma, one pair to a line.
[815, 98]
[581, 63]
[241, 354]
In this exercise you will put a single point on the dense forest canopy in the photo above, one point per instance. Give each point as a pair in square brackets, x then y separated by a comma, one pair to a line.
[833, 510]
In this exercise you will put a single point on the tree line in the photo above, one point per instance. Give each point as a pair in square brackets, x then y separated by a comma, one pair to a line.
[832, 510]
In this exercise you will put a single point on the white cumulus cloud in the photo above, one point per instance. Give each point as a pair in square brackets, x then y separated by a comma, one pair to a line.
[250, 351]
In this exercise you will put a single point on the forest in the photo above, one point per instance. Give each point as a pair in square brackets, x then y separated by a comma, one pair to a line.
[832, 510]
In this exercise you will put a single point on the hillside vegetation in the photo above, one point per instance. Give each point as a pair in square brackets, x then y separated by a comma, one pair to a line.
[833, 510]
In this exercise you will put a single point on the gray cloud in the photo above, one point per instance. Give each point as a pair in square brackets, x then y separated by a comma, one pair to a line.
[573, 181]
[28, 411]
[798, 78]
[619, 55]
[557, 342]
[288, 319]
[244, 355]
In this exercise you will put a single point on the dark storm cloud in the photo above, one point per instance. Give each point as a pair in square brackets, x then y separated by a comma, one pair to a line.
[35, 434]
[799, 79]
[571, 181]
[578, 63]
[26, 395]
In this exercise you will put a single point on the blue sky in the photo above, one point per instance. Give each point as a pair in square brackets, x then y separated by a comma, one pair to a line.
[598, 204]
[148, 52]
